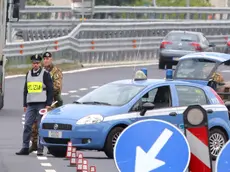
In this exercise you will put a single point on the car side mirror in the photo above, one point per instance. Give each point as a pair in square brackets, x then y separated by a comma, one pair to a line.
[212, 45]
[145, 107]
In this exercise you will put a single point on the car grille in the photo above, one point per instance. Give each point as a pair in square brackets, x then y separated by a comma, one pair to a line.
[50, 126]
[56, 141]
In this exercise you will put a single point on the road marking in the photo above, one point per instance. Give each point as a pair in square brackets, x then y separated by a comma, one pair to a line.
[23, 119]
[46, 164]
[94, 87]
[73, 91]
[42, 158]
[82, 89]
[50, 170]
[225, 71]
[75, 96]
[93, 68]
[64, 94]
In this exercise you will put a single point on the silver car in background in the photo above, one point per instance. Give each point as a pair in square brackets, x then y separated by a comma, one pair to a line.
[179, 43]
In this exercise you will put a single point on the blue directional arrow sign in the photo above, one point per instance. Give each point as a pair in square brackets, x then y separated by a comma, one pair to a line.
[152, 146]
[223, 159]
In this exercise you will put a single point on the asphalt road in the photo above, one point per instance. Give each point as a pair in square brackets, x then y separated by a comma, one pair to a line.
[75, 85]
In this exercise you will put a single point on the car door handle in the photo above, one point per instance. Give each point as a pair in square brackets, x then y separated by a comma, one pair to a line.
[209, 111]
[173, 114]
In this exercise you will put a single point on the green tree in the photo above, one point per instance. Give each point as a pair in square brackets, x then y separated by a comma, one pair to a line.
[182, 3]
[38, 2]
[38, 15]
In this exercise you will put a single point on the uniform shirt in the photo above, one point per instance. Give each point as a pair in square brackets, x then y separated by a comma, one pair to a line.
[57, 76]
[49, 87]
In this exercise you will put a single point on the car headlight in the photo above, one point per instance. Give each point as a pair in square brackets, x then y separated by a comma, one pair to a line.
[91, 119]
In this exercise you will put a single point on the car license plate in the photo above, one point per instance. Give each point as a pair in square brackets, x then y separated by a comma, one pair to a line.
[176, 58]
[55, 134]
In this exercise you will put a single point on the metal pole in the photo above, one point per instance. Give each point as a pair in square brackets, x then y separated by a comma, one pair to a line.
[3, 11]
[9, 30]
[82, 7]
[188, 5]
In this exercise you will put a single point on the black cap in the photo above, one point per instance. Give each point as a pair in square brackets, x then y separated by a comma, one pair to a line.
[36, 58]
[47, 54]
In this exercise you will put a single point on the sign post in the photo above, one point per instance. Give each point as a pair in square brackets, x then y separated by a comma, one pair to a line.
[197, 133]
[152, 145]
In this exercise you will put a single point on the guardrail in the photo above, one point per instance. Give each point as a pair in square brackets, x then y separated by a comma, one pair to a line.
[136, 12]
[104, 42]
[29, 30]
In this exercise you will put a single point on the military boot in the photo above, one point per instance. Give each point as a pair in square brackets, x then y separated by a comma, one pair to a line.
[23, 151]
[33, 147]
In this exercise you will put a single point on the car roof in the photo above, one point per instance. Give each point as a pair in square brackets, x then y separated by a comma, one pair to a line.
[152, 82]
[213, 56]
[189, 32]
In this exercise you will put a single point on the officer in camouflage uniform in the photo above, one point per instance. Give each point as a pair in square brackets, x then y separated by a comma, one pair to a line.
[57, 76]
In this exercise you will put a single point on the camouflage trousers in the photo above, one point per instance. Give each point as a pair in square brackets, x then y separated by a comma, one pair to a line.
[34, 135]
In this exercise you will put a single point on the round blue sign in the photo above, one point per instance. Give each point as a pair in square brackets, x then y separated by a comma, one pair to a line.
[152, 145]
[223, 159]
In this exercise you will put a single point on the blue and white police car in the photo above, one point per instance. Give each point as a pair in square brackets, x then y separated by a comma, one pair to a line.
[95, 121]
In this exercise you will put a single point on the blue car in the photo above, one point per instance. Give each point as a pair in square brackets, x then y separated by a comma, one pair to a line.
[95, 121]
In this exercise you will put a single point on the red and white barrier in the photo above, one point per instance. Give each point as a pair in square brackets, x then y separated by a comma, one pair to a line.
[92, 169]
[73, 158]
[198, 139]
[69, 150]
[80, 162]
[85, 165]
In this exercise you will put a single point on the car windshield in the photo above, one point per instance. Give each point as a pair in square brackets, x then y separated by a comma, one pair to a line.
[194, 69]
[182, 37]
[111, 94]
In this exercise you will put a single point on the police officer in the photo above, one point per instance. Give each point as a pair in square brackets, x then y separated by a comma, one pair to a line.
[57, 77]
[38, 94]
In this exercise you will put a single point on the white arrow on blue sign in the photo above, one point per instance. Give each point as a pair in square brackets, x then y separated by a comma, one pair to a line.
[223, 159]
[152, 146]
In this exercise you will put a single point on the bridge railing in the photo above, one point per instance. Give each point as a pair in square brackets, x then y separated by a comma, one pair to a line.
[194, 13]
[103, 42]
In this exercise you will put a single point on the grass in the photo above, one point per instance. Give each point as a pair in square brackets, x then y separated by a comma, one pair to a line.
[10, 70]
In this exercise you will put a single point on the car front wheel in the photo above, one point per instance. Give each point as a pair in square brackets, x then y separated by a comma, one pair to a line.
[58, 151]
[111, 141]
[217, 140]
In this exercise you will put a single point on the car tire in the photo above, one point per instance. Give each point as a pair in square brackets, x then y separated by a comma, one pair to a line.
[58, 151]
[109, 145]
[217, 138]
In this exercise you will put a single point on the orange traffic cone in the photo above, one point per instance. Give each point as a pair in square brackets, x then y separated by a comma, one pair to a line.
[69, 150]
[73, 158]
[80, 162]
[92, 169]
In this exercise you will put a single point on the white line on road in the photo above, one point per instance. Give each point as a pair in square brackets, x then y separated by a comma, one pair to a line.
[46, 164]
[93, 87]
[42, 158]
[50, 170]
[23, 119]
[94, 68]
[82, 89]
[72, 91]
[75, 96]
[64, 94]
